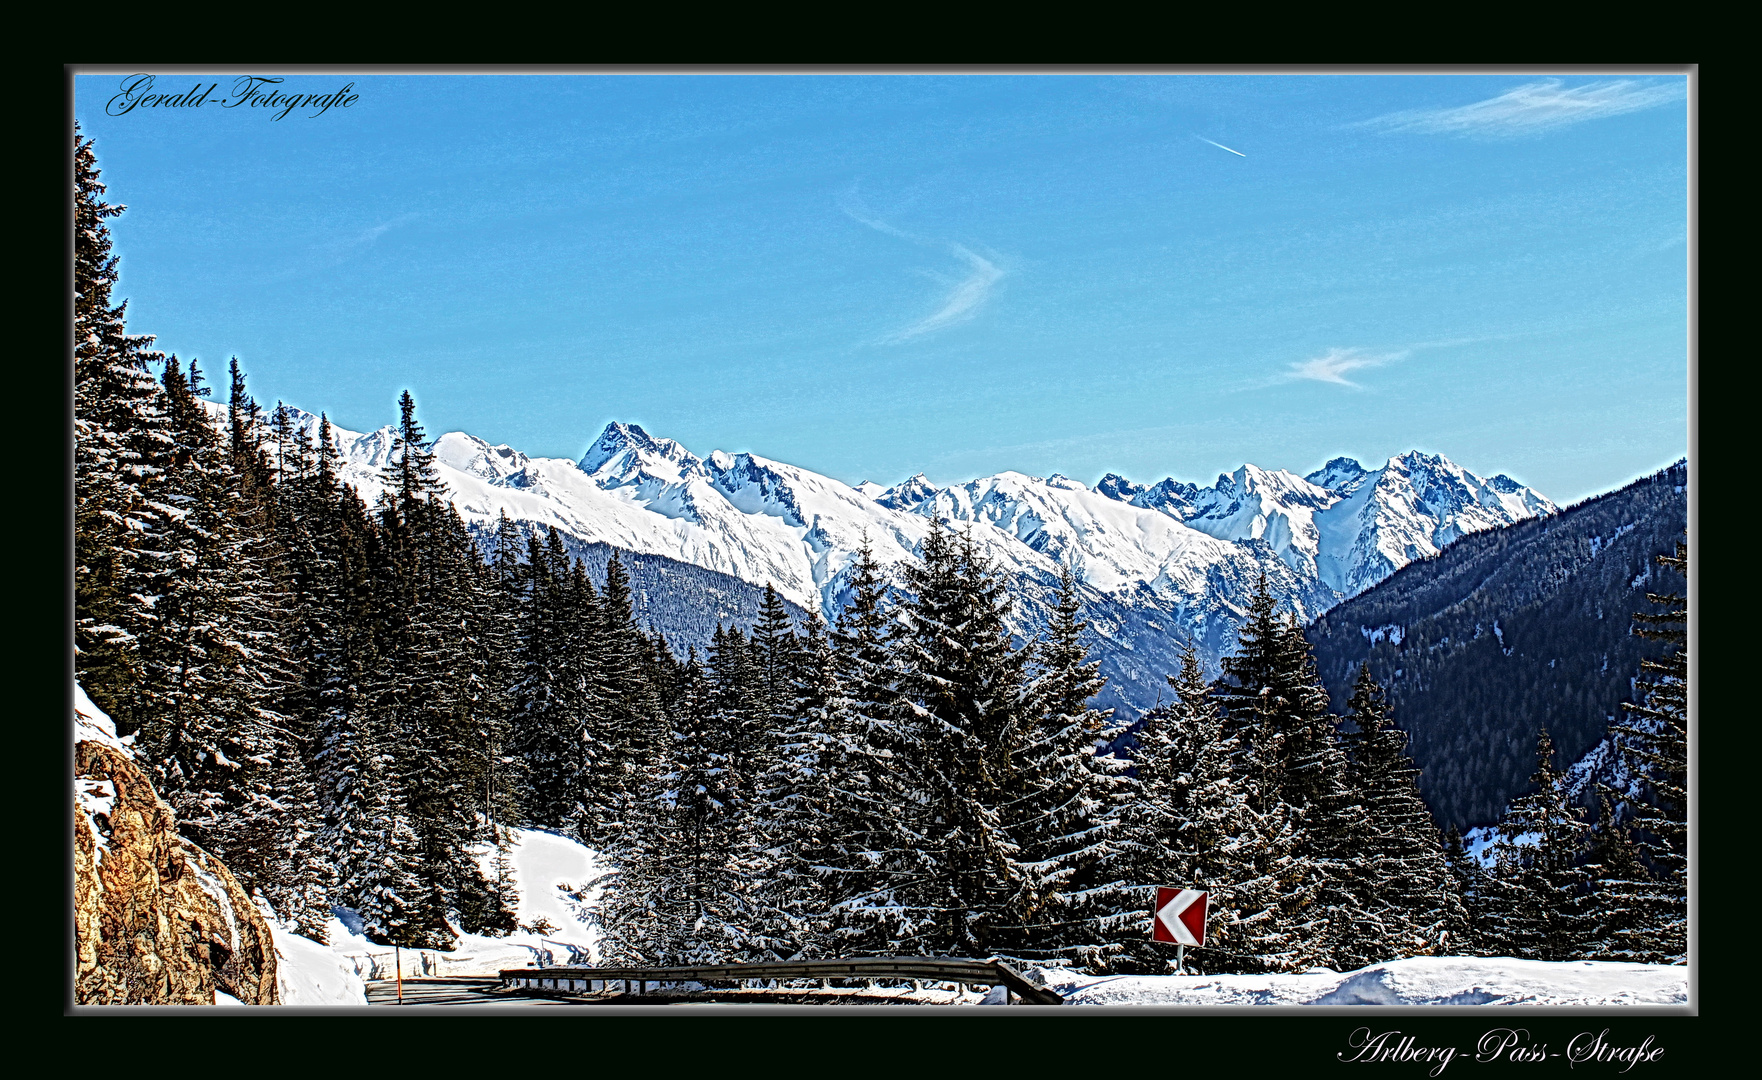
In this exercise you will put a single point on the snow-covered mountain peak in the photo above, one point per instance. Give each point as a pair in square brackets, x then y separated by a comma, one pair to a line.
[756, 485]
[870, 490]
[1278, 485]
[907, 494]
[1409, 509]
[371, 450]
[1117, 487]
[1341, 476]
[626, 454]
[1170, 496]
[470, 454]
[1442, 486]
[1115, 547]
[1273, 505]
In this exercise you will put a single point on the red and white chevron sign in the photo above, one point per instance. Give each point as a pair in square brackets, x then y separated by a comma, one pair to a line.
[1180, 916]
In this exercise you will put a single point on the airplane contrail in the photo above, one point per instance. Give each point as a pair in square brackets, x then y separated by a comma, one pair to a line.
[1220, 146]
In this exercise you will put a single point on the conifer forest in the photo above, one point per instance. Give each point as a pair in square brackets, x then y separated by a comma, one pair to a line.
[346, 702]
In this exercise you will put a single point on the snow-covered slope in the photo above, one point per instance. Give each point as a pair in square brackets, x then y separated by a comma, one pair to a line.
[1419, 980]
[1169, 559]
[555, 879]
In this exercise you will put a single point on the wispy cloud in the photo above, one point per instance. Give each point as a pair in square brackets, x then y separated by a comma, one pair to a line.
[1533, 108]
[855, 210]
[369, 235]
[366, 237]
[966, 293]
[1332, 366]
[963, 298]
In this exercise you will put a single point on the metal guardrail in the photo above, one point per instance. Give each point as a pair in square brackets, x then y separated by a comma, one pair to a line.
[937, 969]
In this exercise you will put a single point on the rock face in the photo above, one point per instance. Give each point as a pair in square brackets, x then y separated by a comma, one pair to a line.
[157, 920]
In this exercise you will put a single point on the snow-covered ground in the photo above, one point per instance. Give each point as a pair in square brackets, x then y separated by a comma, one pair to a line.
[550, 872]
[1419, 980]
[1416, 981]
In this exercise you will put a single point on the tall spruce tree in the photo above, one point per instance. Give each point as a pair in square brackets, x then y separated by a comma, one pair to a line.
[589, 763]
[357, 786]
[636, 731]
[1654, 740]
[502, 775]
[214, 669]
[1540, 880]
[427, 680]
[801, 800]
[960, 876]
[1615, 909]
[1291, 756]
[121, 444]
[1466, 926]
[287, 863]
[1403, 876]
[681, 893]
[869, 740]
[539, 696]
[1061, 792]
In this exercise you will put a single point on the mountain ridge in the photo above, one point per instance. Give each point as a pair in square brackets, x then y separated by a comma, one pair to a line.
[1158, 564]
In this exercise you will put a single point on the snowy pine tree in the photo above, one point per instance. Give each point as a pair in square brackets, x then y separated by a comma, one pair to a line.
[959, 878]
[1060, 792]
[1655, 741]
[215, 672]
[1293, 766]
[635, 730]
[682, 893]
[1402, 874]
[868, 742]
[121, 445]
[1615, 910]
[1540, 880]
[802, 800]
[1465, 918]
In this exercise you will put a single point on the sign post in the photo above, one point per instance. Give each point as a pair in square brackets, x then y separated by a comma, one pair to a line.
[1179, 917]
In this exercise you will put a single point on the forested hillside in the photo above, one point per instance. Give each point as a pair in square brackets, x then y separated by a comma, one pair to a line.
[1507, 631]
[679, 601]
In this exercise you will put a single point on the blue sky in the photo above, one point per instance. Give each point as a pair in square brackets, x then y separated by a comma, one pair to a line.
[874, 275]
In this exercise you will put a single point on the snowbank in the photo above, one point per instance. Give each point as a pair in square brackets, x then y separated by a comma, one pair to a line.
[308, 973]
[1420, 980]
[552, 873]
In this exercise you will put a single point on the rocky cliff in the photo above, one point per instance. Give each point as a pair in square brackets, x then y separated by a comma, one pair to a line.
[157, 920]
